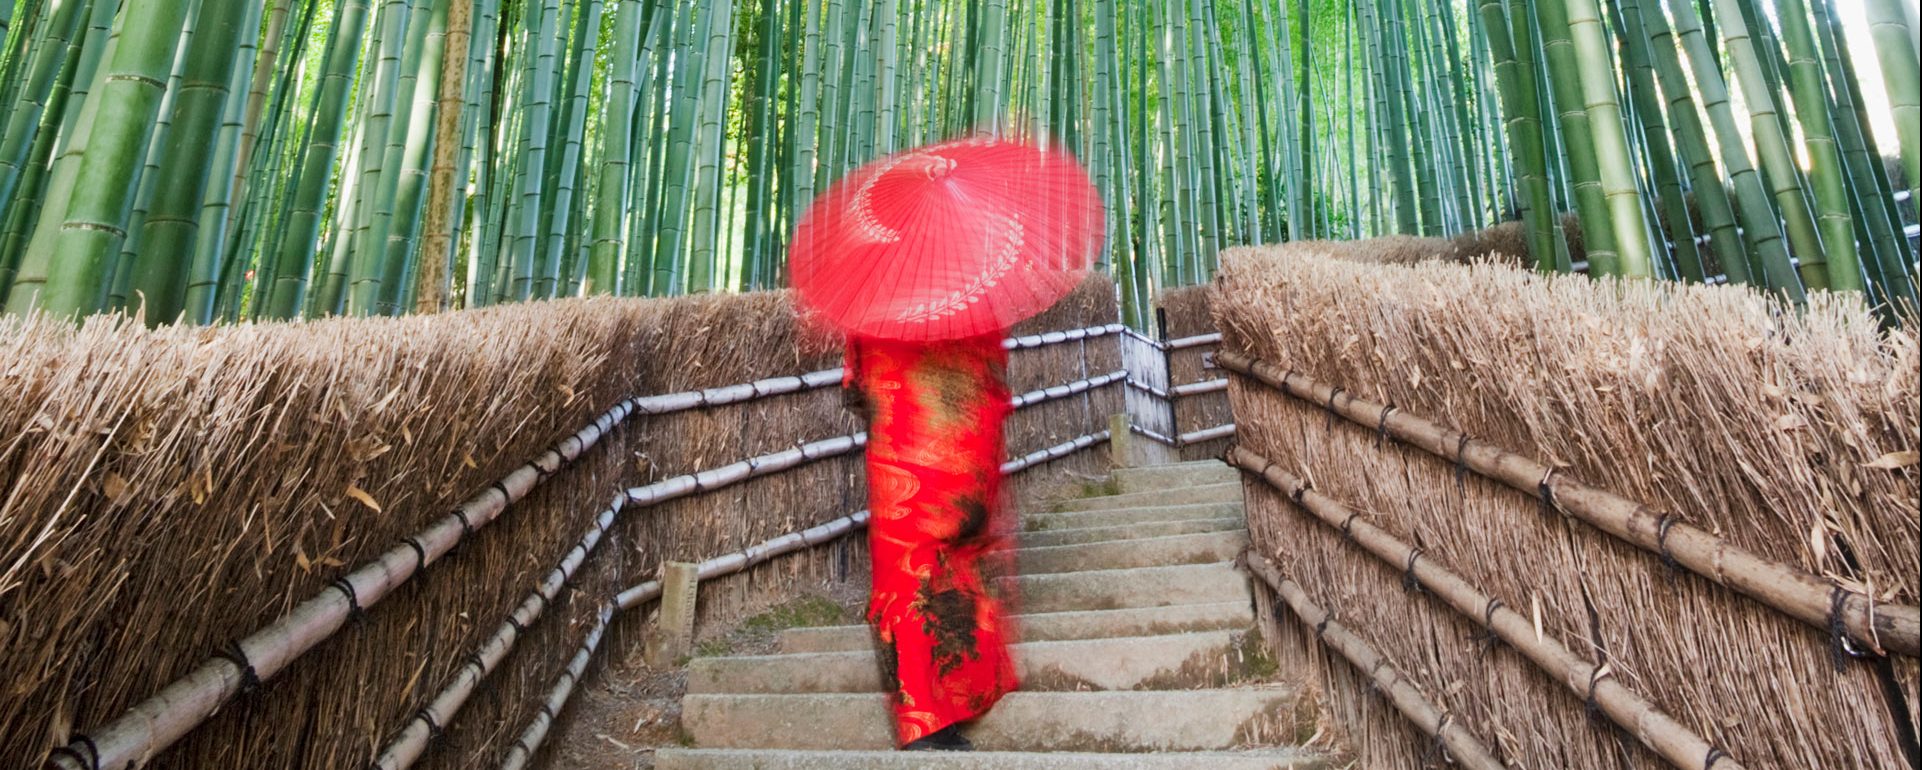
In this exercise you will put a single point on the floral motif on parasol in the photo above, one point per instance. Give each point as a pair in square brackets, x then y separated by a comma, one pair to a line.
[947, 241]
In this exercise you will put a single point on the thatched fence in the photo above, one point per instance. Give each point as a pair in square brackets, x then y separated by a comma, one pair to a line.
[316, 545]
[1521, 521]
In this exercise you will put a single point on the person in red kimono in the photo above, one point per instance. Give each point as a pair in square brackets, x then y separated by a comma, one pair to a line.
[935, 412]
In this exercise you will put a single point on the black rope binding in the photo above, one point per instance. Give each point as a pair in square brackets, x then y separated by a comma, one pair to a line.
[1715, 754]
[466, 526]
[346, 588]
[1301, 491]
[1408, 581]
[1595, 676]
[1545, 491]
[232, 653]
[1321, 629]
[1439, 746]
[1842, 646]
[420, 553]
[1348, 526]
[1487, 637]
[434, 730]
[1332, 395]
[1461, 465]
[1381, 426]
[1662, 526]
[91, 759]
[506, 496]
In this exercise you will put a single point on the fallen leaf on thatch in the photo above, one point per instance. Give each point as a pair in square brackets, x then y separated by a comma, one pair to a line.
[116, 488]
[1893, 460]
[354, 491]
[1790, 422]
[468, 460]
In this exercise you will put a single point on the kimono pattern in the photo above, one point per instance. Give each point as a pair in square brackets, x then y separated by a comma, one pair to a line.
[936, 412]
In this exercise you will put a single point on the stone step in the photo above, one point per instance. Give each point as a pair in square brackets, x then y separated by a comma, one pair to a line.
[1203, 548]
[1194, 474]
[1173, 661]
[1209, 493]
[1185, 720]
[1102, 534]
[1115, 517]
[776, 759]
[1130, 588]
[1054, 626]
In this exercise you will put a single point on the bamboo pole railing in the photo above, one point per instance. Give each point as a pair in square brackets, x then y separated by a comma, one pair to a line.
[149, 727]
[1588, 680]
[522, 752]
[1045, 339]
[1044, 395]
[1796, 593]
[152, 725]
[427, 723]
[1463, 747]
[1186, 439]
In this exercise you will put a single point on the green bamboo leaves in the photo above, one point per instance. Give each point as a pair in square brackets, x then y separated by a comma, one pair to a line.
[218, 160]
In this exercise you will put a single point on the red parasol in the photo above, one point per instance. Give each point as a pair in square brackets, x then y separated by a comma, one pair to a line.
[947, 241]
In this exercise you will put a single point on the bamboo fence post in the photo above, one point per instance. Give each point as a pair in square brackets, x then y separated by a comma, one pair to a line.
[1588, 680]
[1786, 589]
[1466, 750]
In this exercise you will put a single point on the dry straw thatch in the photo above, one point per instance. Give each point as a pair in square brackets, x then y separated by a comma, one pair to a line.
[164, 492]
[1793, 435]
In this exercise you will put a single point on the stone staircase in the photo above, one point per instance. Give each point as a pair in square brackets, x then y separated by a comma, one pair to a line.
[1138, 653]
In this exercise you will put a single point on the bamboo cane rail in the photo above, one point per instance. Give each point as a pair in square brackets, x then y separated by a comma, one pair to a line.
[530, 739]
[1591, 681]
[522, 752]
[157, 722]
[1203, 387]
[1045, 339]
[427, 723]
[1078, 387]
[1462, 746]
[1186, 439]
[154, 724]
[1809, 598]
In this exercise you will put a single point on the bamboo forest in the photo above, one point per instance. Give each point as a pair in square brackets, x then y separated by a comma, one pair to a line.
[222, 160]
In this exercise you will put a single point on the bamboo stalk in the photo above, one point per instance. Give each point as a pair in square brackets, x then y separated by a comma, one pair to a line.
[1786, 589]
[1587, 679]
[1463, 747]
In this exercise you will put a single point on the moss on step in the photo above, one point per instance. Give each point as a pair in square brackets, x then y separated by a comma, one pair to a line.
[760, 631]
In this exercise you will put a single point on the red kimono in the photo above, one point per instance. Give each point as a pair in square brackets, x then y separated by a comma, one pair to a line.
[934, 479]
